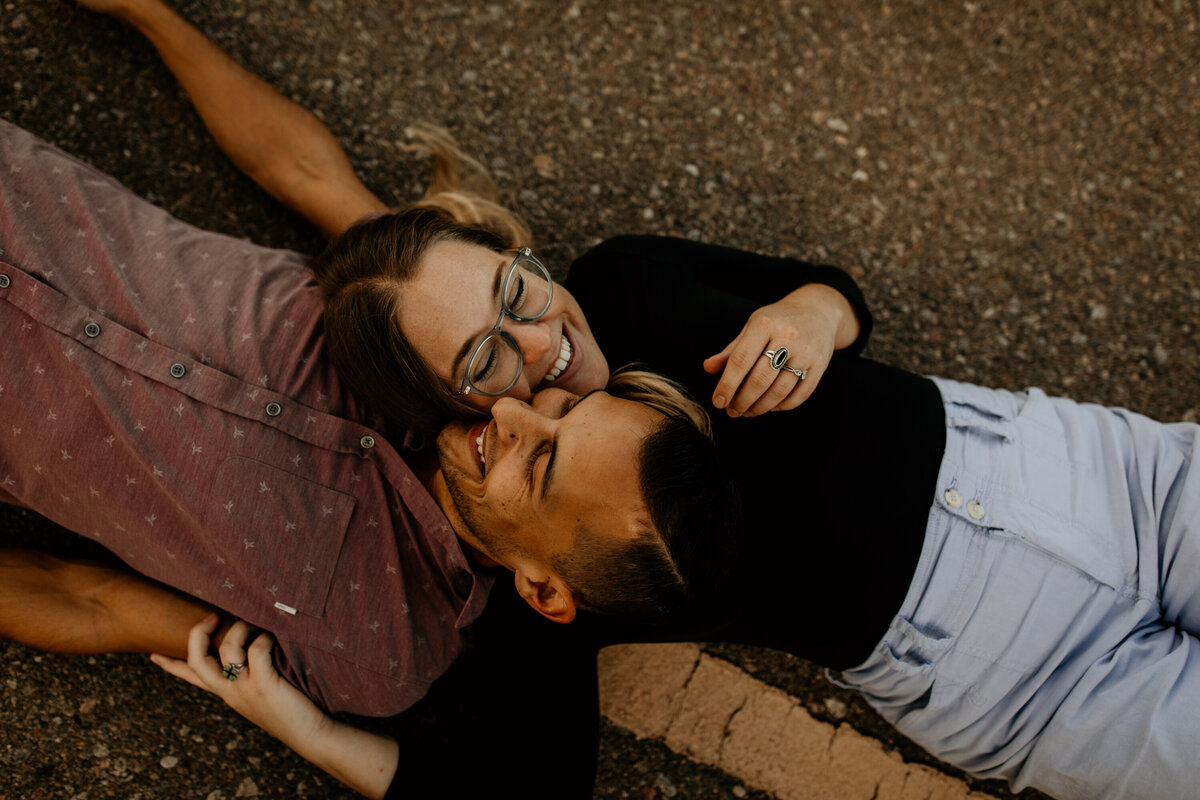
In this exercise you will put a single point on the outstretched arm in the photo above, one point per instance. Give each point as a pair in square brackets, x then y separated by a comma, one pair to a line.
[87, 607]
[283, 147]
[364, 761]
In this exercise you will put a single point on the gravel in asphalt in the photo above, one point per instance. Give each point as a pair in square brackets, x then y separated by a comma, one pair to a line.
[1013, 185]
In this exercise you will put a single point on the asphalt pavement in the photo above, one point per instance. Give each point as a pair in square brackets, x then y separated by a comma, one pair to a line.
[1014, 186]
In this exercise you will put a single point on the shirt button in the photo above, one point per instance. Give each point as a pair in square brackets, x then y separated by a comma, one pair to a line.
[975, 510]
[92, 330]
[4, 281]
[367, 442]
[274, 409]
[953, 498]
[178, 370]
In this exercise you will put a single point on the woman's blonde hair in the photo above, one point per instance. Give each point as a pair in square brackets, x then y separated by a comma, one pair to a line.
[462, 187]
[664, 395]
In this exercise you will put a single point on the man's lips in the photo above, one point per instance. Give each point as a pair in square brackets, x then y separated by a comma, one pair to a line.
[473, 434]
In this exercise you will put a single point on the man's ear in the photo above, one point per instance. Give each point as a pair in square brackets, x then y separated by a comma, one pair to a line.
[546, 592]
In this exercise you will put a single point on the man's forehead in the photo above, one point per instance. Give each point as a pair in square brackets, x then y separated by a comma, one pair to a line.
[597, 454]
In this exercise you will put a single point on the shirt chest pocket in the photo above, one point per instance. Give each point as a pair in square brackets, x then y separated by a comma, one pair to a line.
[280, 534]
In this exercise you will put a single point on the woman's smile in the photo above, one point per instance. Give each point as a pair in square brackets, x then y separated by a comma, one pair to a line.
[563, 362]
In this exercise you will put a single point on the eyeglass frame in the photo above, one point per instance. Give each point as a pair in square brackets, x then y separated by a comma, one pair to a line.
[522, 254]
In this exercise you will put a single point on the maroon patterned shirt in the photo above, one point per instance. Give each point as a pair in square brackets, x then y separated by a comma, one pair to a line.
[164, 391]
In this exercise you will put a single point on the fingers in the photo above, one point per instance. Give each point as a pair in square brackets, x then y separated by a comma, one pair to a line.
[765, 390]
[749, 385]
[242, 645]
[740, 358]
[179, 669]
[258, 657]
[199, 668]
[233, 646]
[787, 392]
[233, 651]
[714, 364]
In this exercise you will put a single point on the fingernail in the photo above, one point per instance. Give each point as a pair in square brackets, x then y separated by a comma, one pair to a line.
[733, 412]
[719, 401]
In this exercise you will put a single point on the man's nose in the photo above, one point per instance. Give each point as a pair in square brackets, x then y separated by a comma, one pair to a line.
[518, 422]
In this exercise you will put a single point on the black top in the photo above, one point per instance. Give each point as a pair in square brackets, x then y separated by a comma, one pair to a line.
[836, 493]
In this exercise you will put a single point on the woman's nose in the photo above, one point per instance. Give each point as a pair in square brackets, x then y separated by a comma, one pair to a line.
[534, 340]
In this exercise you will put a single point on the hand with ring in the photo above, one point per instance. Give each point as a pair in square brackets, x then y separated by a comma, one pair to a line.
[246, 679]
[800, 332]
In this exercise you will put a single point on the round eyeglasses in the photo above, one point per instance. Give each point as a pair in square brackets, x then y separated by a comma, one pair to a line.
[495, 364]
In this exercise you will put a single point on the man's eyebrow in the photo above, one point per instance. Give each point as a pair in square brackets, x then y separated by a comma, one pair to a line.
[469, 343]
[549, 473]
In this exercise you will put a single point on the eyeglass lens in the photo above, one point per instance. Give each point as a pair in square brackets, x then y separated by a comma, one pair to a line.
[527, 289]
[496, 363]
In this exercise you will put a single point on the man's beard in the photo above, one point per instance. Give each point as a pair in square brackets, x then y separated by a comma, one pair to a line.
[456, 477]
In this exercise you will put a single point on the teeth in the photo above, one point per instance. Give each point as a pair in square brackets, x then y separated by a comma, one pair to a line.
[479, 445]
[564, 358]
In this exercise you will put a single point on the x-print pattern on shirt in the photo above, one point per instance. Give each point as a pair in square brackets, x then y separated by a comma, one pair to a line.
[194, 429]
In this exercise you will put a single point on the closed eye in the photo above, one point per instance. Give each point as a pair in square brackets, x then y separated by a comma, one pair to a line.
[569, 402]
[518, 296]
[533, 459]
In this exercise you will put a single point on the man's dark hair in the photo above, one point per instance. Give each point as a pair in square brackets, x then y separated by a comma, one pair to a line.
[680, 562]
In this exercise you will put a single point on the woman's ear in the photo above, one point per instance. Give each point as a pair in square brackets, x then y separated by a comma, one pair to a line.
[546, 592]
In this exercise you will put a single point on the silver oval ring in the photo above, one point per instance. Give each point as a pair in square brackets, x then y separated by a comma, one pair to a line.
[778, 356]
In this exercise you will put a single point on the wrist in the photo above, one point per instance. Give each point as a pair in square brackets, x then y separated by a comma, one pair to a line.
[364, 761]
[833, 306]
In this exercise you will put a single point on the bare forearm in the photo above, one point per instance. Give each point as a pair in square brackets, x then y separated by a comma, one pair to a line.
[366, 762]
[86, 607]
[282, 146]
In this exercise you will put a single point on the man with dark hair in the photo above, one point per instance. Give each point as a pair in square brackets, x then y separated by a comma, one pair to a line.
[680, 556]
